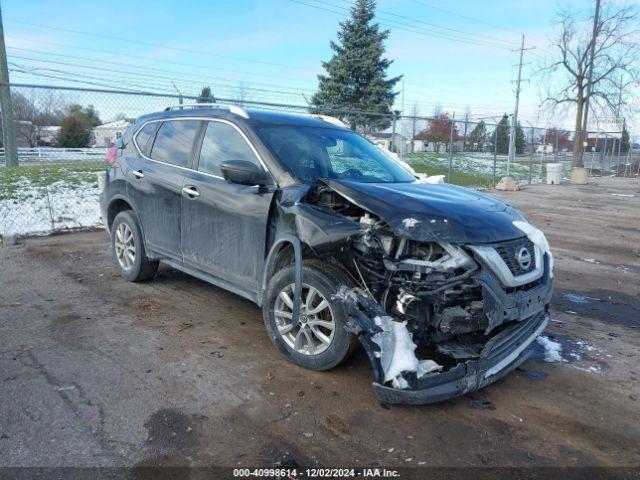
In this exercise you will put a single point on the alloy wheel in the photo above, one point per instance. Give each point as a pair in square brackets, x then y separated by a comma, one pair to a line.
[125, 246]
[316, 326]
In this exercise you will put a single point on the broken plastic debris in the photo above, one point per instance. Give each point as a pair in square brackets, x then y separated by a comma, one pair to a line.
[397, 352]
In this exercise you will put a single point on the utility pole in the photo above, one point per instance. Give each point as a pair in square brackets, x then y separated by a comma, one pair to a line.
[453, 127]
[8, 132]
[413, 126]
[514, 119]
[587, 98]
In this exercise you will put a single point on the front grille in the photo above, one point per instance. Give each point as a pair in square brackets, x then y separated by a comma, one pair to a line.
[510, 253]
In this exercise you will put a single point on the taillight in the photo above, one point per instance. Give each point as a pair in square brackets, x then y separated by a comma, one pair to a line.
[111, 156]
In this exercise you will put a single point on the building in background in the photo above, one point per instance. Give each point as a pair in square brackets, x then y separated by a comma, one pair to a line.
[386, 140]
[107, 134]
[47, 135]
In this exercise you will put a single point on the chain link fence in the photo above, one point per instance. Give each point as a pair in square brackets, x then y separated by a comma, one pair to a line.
[63, 135]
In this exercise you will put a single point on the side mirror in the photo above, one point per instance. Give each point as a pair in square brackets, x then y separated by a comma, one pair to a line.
[243, 172]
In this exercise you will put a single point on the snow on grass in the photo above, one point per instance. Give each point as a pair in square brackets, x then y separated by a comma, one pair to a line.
[47, 198]
[552, 350]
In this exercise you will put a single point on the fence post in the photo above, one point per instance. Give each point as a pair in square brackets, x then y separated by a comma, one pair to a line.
[8, 127]
[495, 154]
[453, 127]
[603, 154]
[531, 156]
[393, 132]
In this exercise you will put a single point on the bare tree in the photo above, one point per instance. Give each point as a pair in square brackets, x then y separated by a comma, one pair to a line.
[615, 57]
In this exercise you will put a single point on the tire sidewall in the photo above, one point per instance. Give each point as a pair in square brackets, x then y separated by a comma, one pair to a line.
[129, 219]
[339, 347]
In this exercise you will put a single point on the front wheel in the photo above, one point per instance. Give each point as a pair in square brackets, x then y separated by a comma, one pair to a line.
[319, 340]
[128, 249]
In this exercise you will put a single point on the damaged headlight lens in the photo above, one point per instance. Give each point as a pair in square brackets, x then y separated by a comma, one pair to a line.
[425, 257]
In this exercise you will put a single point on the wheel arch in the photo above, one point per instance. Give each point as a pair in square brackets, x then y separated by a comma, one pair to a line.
[285, 250]
[121, 203]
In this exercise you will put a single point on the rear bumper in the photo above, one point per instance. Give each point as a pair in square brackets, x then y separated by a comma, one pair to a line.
[503, 354]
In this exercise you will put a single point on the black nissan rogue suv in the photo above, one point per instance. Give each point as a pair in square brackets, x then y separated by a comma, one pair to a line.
[446, 288]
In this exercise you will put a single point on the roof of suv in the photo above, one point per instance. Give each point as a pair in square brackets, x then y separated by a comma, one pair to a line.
[256, 117]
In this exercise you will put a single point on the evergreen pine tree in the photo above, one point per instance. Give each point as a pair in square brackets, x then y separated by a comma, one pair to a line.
[521, 139]
[502, 138]
[624, 140]
[206, 96]
[477, 137]
[356, 74]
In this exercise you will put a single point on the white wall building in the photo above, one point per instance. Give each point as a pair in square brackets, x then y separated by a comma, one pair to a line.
[107, 134]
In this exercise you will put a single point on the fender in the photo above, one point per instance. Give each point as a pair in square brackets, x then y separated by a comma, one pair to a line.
[297, 254]
[120, 196]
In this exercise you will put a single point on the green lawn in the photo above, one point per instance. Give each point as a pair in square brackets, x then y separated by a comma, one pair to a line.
[19, 182]
[466, 170]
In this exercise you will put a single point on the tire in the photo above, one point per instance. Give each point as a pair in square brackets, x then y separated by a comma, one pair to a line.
[140, 268]
[326, 279]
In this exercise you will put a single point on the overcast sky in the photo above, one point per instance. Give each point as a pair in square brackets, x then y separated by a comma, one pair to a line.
[454, 54]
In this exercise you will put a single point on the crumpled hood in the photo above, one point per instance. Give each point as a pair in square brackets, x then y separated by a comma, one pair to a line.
[434, 212]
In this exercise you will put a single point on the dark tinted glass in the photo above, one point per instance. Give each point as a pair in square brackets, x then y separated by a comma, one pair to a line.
[174, 141]
[222, 142]
[143, 135]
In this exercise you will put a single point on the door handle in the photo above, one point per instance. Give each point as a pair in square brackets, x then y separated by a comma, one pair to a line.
[138, 174]
[190, 191]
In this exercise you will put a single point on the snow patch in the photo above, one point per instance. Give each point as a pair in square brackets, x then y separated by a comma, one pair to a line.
[580, 299]
[42, 210]
[552, 350]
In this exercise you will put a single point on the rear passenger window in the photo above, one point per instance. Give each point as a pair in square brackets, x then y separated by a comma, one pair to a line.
[144, 134]
[174, 141]
[222, 142]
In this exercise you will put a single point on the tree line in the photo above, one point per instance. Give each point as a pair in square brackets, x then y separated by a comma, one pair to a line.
[75, 121]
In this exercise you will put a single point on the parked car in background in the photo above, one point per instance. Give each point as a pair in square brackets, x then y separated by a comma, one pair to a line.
[446, 288]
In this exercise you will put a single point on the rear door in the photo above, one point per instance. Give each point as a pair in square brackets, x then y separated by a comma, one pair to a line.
[224, 225]
[156, 186]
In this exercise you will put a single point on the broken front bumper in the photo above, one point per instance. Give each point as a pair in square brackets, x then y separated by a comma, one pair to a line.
[502, 354]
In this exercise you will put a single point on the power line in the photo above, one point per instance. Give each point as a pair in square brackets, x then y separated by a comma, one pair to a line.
[450, 12]
[403, 26]
[155, 45]
[148, 59]
[414, 20]
[207, 79]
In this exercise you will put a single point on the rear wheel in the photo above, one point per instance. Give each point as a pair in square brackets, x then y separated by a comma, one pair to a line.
[319, 340]
[128, 249]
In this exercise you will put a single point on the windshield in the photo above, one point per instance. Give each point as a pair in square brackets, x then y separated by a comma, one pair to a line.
[310, 153]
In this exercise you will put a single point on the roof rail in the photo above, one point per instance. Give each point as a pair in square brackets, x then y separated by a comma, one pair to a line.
[330, 119]
[235, 109]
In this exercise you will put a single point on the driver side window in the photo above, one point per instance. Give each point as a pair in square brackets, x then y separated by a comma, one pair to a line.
[222, 142]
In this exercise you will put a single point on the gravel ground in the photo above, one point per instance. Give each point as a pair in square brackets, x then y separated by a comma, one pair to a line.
[96, 371]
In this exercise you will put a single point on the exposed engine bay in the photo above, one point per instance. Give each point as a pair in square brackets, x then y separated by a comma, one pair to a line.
[425, 308]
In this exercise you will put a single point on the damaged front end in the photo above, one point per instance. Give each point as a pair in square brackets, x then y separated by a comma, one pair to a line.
[440, 313]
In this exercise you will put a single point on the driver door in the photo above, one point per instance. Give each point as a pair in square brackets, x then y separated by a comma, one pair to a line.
[224, 224]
